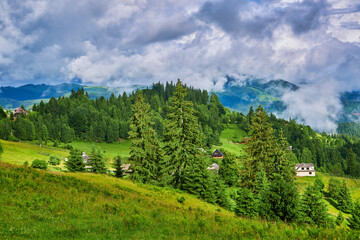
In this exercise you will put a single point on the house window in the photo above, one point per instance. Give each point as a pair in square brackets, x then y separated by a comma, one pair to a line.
[302, 168]
[307, 168]
[310, 173]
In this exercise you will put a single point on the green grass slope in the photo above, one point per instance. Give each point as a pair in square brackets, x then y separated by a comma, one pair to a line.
[42, 205]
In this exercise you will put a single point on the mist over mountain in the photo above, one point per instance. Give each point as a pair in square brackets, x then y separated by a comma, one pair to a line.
[239, 93]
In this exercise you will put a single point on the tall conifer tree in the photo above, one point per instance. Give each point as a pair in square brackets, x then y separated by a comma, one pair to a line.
[182, 140]
[259, 148]
[313, 206]
[145, 149]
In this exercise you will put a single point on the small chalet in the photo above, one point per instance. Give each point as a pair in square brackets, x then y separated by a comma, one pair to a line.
[305, 169]
[217, 154]
[19, 111]
[214, 167]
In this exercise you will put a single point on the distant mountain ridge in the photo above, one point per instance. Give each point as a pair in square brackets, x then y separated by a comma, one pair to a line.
[27, 95]
[240, 94]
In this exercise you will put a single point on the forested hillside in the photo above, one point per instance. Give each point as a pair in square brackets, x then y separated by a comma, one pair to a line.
[170, 127]
[77, 117]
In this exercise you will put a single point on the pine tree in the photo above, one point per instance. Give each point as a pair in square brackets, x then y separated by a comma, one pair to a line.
[196, 180]
[118, 167]
[351, 162]
[245, 203]
[344, 199]
[75, 162]
[229, 170]
[96, 161]
[354, 220]
[260, 148]
[145, 149]
[284, 198]
[313, 206]
[182, 139]
[262, 195]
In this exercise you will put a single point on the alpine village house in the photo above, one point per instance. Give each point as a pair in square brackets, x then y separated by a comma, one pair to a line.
[305, 169]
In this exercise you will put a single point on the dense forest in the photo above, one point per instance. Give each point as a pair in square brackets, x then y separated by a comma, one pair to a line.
[108, 120]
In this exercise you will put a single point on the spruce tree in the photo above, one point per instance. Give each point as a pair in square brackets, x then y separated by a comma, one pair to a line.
[75, 162]
[229, 170]
[313, 206]
[260, 148]
[245, 203]
[145, 151]
[284, 198]
[182, 140]
[262, 195]
[118, 167]
[354, 220]
[344, 199]
[96, 161]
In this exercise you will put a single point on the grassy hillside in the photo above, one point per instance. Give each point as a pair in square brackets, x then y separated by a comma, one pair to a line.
[41, 205]
[19, 152]
[230, 139]
[109, 150]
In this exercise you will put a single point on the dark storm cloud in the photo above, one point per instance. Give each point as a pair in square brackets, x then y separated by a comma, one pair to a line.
[256, 20]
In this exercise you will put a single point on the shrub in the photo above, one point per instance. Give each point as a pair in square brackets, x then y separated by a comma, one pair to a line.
[26, 163]
[13, 138]
[40, 164]
[54, 160]
[181, 199]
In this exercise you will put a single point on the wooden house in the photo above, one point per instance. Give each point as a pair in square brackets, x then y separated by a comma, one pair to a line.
[217, 154]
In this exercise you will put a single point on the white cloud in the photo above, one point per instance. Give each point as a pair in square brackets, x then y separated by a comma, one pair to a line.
[144, 41]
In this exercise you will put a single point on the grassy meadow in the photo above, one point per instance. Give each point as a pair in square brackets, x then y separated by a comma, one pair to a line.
[20, 152]
[39, 204]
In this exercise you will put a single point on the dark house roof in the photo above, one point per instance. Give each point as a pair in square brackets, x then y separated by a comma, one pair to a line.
[217, 153]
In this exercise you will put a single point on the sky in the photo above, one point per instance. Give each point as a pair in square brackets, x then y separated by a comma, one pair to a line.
[315, 43]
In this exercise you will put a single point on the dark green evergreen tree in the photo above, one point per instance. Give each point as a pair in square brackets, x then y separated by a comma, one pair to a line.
[313, 206]
[260, 148]
[245, 203]
[262, 195]
[284, 198]
[145, 151]
[351, 162]
[96, 161]
[334, 188]
[182, 140]
[229, 170]
[75, 162]
[344, 199]
[2, 113]
[118, 167]
[354, 220]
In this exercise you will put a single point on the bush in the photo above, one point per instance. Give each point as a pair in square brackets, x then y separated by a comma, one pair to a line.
[13, 138]
[54, 160]
[40, 164]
